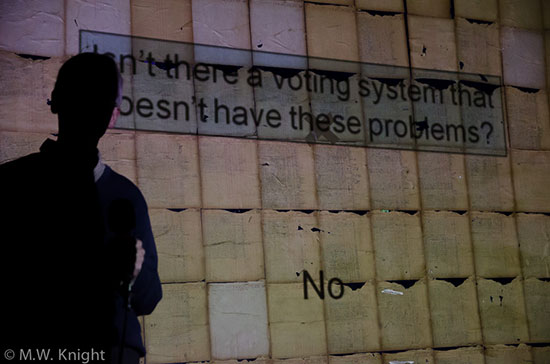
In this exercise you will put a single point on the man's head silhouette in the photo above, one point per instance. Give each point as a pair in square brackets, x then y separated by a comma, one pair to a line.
[86, 97]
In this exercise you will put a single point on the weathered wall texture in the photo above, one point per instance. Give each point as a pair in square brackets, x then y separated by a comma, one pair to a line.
[439, 250]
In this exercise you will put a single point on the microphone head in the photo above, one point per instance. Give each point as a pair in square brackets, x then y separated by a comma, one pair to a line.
[121, 216]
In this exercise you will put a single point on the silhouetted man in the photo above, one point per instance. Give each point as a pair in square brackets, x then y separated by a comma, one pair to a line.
[73, 232]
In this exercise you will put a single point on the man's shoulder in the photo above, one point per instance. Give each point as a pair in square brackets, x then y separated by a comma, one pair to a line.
[20, 166]
[21, 161]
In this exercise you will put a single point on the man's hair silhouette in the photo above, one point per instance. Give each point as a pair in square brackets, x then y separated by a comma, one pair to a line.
[87, 90]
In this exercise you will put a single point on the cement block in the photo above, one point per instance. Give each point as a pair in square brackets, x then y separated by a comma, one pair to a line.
[523, 58]
[26, 86]
[346, 246]
[471, 355]
[128, 106]
[178, 238]
[339, 106]
[477, 9]
[405, 316]
[291, 245]
[242, 361]
[229, 173]
[433, 8]
[224, 103]
[160, 99]
[531, 175]
[168, 170]
[221, 23]
[170, 20]
[528, 119]
[342, 180]
[278, 26]
[382, 39]
[297, 325]
[285, 101]
[287, 175]
[380, 113]
[367, 358]
[336, 2]
[454, 313]
[504, 354]
[398, 247]
[118, 150]
[233, 246]
[547, 52]
[309, 360]
[489, 183]
[331, 32]
[33, 27]
[521, 13]
[19, 144]
[541, 355]
[442, 181]
[389, 5]
[533, 233]
[502, 311]
[238, 320]
[545, 14]
[537, 306]
[352, 321]
[393, 179]
[444, 112]
[478, 47]
[414, 356]
[496, 250]
[177, 331]
[447, 244]
[114, 17]
[432, 42]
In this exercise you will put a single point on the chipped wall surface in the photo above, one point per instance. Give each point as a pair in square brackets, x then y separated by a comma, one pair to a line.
[406, 257]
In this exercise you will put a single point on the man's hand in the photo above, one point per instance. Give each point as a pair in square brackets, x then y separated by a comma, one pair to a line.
[140, 256]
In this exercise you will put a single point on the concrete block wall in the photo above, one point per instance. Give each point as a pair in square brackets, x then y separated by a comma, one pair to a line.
[445, 258]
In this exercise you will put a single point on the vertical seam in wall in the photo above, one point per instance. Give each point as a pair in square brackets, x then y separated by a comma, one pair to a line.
[316, 209]
[409, 58]
[546, 53]
[513, 181]
[135, 132]
[201, 207]
[134, 137]
[368, 216]
[136, 166]
[206, 286]
[65, 28]
[514, 215]
[206, 283]
[469, 207]
[472, 250]
[375, 280]
[418, 177]
[270, 352]
[261, 209]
